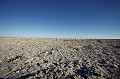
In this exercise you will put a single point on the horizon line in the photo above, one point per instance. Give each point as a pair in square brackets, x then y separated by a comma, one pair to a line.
[58, 37]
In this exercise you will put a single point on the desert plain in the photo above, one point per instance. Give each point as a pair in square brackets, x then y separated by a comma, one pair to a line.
[51, 58]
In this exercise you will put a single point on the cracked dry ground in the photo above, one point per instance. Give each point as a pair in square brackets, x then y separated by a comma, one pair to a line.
[40, 58]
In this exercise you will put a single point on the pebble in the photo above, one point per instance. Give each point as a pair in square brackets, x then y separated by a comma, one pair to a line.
[82, 62]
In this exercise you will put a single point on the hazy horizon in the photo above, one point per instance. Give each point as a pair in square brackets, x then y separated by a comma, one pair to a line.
[60, 18]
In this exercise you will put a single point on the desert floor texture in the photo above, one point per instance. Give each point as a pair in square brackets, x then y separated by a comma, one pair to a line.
[48, 58]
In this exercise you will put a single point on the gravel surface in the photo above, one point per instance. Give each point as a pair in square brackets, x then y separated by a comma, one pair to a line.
[47, 58]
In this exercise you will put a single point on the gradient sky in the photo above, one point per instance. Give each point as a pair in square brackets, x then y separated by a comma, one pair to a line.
[60, 18]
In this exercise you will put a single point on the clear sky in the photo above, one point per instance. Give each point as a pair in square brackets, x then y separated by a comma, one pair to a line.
[60, 18]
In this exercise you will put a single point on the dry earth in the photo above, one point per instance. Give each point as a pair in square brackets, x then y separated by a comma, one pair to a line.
[40, 58]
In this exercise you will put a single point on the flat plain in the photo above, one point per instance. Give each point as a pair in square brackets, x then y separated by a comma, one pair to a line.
[50, 58]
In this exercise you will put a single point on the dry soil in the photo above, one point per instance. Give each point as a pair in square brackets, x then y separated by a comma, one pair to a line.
[47, 58]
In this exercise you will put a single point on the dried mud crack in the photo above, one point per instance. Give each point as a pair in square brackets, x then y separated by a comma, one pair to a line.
[40, 58]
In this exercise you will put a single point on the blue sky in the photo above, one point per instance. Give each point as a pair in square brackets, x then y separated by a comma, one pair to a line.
[60, 18]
